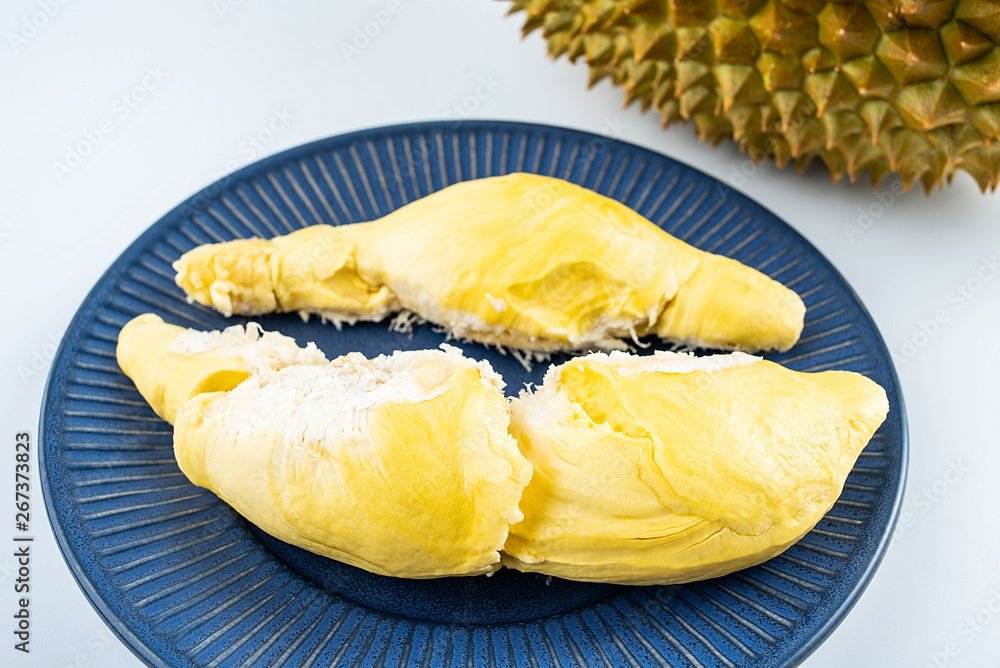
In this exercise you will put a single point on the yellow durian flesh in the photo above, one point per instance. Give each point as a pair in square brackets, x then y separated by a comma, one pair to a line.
[523, 260]
[401, 465]
[232, 277]
[171, 364]
[724, 304]
[528, 261]
[669, 469]
[312, 269]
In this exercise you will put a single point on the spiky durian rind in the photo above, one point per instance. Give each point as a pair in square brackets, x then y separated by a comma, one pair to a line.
[904, 86]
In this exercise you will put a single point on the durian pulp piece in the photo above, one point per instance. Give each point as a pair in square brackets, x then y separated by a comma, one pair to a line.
[671, 468]
[310, 270]
[401, 465]
[526, 261]
[724, 304]
[171, 364]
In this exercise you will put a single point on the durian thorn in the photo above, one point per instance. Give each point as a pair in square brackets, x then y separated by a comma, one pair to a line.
[907, 181]
[802, 162]
[907, 139]
[533, 23]
[856, 170]
[594, 75]
[874, 178]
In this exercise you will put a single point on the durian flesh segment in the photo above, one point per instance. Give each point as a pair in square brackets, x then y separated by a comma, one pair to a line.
[401, 465]
[522, 260]
[668, 469]
[312, 269]
[233, 277]
[724, 304]
[171, 364]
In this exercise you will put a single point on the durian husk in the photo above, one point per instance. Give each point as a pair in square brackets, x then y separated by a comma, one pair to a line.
[907, 87]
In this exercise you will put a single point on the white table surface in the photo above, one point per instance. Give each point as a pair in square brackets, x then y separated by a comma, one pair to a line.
[224, 71]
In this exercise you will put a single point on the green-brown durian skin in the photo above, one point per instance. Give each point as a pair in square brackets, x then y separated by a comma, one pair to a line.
[906, 86]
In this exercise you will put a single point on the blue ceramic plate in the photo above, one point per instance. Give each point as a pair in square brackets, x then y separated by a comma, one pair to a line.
[185, 581]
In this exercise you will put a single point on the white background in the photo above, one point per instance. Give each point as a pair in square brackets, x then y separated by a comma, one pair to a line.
[225, 71]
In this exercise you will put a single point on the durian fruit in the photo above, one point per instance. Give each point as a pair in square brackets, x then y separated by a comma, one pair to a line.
[907, 86]
[526, 261]
[401, 465]
[171, 364]
[312, 270]
[672, 468]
